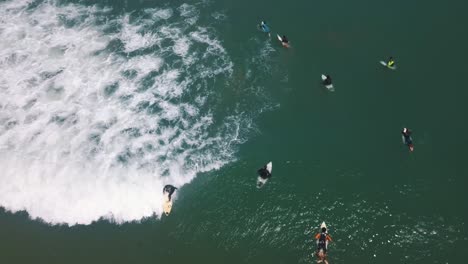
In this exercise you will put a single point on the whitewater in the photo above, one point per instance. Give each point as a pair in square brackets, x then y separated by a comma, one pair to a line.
[98, 111]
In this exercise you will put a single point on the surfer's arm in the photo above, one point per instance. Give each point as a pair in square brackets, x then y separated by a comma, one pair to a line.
[329, 238]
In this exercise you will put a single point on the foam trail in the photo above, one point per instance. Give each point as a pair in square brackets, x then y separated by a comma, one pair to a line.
[94, 120]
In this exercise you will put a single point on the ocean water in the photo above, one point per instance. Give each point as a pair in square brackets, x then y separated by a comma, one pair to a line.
[102, 103]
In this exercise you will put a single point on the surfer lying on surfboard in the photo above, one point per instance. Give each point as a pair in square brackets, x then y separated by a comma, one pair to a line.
[169, 189]
[322, 244]
[407, 138]
[264, 27]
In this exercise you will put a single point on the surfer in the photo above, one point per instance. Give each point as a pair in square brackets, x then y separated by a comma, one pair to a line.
[264, 173]
[285, 41]
[328, 80]
[407, 138]
[322, 244]
[391, 62]
[169, 189]
[264, 27]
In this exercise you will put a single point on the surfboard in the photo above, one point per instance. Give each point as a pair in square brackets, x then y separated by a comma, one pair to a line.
[279, 38]
[323, 225]
[385, 64]
[260, 180]
[330, 86]
[167, 204]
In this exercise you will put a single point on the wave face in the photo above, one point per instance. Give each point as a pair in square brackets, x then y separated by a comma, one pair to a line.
[100, 110]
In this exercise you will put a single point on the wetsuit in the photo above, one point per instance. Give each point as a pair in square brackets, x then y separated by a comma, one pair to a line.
[407, 137]
[264, 173]
[322, 241]
[285, 40]
[169, 189]
[328, 80]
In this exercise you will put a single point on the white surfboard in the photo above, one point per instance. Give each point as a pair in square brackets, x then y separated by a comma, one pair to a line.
[386, 66]
[330, 86]
[260, 180]
[167, 204]
[323, 225]
[279, 38]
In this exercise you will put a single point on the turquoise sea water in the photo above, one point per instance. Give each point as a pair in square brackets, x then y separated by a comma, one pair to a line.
[102, 103]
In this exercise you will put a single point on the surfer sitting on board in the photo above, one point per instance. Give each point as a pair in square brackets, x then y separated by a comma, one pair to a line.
[328, 80]
[390, 62]
[285, 41]
[169, 189]
[264, 173]
[322, 244]
[407, 138]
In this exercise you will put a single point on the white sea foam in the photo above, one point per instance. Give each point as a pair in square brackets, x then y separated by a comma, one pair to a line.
[88, 132]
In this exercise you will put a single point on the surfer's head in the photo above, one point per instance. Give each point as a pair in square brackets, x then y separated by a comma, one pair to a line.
[324, 229]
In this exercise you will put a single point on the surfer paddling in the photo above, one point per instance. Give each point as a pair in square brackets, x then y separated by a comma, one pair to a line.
[406, 134]
[322, 244]
[264, 27]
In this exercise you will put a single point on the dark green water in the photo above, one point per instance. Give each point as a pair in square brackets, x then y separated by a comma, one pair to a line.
[337, 157]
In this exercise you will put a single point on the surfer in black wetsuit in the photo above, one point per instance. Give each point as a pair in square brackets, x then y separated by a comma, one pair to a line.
[264, 27]
[169, 189]
[322, 245]
[327, 81]
[407, 138]
[264, 173]
[322, 240]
